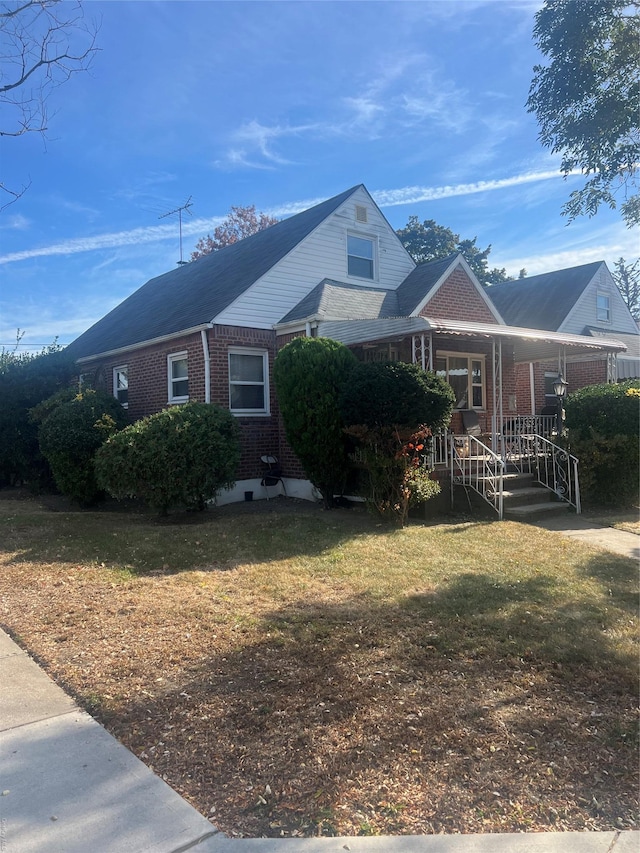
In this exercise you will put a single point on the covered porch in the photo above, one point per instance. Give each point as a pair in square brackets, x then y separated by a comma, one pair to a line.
[496, 432]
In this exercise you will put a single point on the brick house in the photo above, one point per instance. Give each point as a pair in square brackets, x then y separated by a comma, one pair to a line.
[209, 330]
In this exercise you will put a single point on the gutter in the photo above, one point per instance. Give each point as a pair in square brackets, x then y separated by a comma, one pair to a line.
[142, 344]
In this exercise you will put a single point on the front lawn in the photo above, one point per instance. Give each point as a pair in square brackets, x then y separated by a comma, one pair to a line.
[292, 671]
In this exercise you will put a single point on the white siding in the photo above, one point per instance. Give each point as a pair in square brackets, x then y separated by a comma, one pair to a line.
[583, 312]
[323, 254]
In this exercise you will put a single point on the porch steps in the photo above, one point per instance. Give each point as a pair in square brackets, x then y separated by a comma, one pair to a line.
[523, 498]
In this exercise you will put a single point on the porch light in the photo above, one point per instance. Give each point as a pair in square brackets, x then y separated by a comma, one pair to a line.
[560, 390]
[560, 386]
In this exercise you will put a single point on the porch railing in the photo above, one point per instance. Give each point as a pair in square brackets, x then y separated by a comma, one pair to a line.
[476, 466]
[551, 465]
[543, 425]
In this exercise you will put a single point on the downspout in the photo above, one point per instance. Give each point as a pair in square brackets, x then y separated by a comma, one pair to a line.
[207, 366]
[307, 329]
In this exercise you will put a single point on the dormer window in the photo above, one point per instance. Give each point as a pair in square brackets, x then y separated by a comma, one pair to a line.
[603, 307]
[360, 257]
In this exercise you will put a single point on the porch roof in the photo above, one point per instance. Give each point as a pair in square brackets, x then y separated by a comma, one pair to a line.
[529, 344]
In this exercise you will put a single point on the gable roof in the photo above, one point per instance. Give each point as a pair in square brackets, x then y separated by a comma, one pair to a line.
[419, 282]
[192, 295]
[542, 301]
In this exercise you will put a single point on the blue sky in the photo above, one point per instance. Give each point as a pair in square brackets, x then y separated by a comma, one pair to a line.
[280, 104]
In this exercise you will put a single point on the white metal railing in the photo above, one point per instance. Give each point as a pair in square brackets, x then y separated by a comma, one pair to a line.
[476, 466]
[552, 466]
[439, 448]
[543, 425]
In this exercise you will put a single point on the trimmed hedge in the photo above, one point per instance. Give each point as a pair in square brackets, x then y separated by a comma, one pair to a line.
[603, 423]
[70, 432]
[182, 456]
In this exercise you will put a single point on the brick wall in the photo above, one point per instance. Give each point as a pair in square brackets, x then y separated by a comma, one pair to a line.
[458, 299]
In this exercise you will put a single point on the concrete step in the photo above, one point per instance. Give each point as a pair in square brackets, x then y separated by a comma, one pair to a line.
[526, 495]
[528, 510]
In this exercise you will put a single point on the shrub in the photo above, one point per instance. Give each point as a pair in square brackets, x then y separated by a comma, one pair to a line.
[392, 409]
[70, 433]
[26, 380]
[180, 456]
[603, 426]
[309, 376]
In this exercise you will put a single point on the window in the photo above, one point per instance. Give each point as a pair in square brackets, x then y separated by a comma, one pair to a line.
[178, 373]
[121, 385]
[603, 308]
[249, 382]
[360, 257]
[465, 374]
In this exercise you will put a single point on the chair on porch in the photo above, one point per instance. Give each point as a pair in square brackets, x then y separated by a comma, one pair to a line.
[272, 475]
[471, 422]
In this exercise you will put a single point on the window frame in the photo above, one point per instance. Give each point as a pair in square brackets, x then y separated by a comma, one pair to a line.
[177, 399]
[369, 238]
[470, 357]
[122, 368]
[603, 294]
[265, 411]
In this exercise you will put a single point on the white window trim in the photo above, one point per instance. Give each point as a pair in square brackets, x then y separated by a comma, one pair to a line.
[176, 356]
[116, 370]
[607, 296]
[470, 356]
[251, 413]
[374, 242]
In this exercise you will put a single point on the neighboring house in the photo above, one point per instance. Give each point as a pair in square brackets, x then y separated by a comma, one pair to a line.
[209, 330]
[582, 300]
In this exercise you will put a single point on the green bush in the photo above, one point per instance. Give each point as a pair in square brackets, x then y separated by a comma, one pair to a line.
[309, 376]
[71, 430]
[180, 456]
[26, 380]
[603, 424]
[391, 409]
[387, 393]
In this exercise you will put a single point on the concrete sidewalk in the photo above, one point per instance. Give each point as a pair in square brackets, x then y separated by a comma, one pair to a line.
[67, 786]
[597, 535]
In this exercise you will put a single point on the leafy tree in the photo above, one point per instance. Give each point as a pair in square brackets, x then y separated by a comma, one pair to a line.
[391, 409]
[25, 380]
[309, 376]
[71, 432]
[42, 44]
[182, 455]
[586, 100]
[240, 223]
[428, 241]
[627, 279]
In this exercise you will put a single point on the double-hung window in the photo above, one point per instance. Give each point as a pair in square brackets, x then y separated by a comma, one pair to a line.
[178, 376]
[248, 382]
[360, 257]
[603, 307]
[121, 385]
[466, 375]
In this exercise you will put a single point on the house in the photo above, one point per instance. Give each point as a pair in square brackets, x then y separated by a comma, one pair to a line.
[209, 330]
[581, 300]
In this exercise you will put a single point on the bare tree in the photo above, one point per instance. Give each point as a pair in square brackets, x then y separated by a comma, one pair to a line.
[42, 44]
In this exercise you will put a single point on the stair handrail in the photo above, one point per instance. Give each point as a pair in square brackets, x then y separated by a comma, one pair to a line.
[552, 465]
[476, 466]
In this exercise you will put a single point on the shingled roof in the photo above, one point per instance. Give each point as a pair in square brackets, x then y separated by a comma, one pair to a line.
[192, 295]
[337, 300]
[419, 282]
[542, 301]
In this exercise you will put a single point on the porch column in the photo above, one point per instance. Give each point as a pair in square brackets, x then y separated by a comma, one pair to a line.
[496, 415]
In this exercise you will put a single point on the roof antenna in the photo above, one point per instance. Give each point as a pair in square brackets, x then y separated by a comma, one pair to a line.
[179, 210]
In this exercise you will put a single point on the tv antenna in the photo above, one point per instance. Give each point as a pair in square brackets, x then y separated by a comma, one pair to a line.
[179, 210]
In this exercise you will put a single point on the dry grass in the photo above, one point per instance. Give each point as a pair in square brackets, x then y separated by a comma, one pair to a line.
[621, 519]
[296, 672]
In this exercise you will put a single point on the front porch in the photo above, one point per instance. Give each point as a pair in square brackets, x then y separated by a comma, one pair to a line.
[498, 436]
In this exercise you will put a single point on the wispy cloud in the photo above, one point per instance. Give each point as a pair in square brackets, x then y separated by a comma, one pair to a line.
[256, 138]
[17, 222]
[385, 198]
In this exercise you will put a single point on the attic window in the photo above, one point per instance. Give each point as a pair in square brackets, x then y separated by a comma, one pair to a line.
[361, 213]
[360, 257]
[603, 307]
